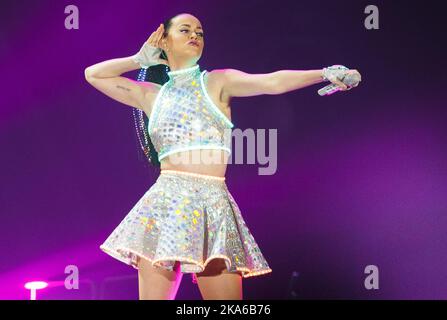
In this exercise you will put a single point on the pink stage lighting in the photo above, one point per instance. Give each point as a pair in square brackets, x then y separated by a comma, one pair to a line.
[34, 286]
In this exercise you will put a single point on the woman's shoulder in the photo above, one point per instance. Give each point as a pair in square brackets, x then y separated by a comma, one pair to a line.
[216, 76]
[222, 74]
[218, 72]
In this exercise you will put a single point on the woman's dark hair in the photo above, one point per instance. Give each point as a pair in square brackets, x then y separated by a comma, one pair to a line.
[157, 74]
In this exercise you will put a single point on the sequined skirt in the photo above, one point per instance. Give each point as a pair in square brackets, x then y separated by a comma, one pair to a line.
[191, 218]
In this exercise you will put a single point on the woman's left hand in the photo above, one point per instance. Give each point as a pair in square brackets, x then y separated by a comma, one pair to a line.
[344, 87]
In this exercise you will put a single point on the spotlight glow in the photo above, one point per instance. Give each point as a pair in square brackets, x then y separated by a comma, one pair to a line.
[33, 286]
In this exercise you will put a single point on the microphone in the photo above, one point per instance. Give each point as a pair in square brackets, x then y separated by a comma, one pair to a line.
[351, 80]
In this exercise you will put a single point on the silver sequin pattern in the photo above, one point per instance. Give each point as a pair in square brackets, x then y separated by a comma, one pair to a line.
[184, 116]
[190, 219]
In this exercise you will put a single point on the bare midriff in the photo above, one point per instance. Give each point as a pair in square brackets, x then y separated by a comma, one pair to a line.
[216, 168]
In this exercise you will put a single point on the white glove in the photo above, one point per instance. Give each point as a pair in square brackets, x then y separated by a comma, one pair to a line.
[336, 71]
[148, 56]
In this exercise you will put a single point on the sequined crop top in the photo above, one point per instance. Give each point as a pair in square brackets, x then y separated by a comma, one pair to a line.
[184, 117]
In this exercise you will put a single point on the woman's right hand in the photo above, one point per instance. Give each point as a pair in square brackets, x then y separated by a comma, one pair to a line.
[156, 36]
[149, 53]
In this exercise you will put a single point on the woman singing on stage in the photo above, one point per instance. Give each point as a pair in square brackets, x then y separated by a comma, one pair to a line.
[188, 221]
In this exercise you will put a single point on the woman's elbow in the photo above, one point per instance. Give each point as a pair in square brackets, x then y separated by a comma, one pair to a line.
[88, 74]
[274, 86]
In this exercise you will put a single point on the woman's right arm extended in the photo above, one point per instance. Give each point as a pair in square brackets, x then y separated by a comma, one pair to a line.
[106, 77]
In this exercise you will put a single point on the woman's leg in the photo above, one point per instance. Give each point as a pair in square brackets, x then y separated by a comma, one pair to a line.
[158, 283]
[216, 283]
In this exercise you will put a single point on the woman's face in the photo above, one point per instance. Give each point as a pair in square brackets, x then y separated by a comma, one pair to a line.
[185, 38]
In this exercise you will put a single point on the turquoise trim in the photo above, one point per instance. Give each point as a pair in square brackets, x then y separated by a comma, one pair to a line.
[216, 108]
[180, 71]
[193, 147]
[154, 111]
